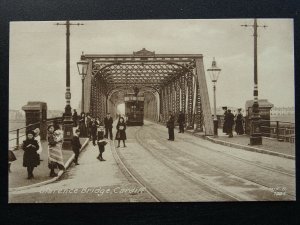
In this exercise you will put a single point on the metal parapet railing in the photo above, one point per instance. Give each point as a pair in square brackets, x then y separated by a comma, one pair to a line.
[19, 132]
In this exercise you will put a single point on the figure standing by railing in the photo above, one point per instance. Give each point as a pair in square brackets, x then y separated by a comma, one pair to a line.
[30, 158]
[230, 122]
[225, 124]
[239, 122]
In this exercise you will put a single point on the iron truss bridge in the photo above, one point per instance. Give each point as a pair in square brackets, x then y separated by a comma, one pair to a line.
[169, 82]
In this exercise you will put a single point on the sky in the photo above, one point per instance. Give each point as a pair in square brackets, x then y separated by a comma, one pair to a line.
[37, 62]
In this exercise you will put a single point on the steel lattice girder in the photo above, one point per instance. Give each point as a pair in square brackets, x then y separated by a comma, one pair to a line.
[157, 72]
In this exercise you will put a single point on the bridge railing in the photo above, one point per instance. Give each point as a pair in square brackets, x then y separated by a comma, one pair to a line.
[282, 131]
[16, 136]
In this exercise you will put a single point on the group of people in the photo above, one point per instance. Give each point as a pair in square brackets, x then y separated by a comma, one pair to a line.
[230, 120]
[87, 127]
[32, 150]
[95, 130]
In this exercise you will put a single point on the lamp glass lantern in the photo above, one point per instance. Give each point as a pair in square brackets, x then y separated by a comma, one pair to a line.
[82, 68]
[214, 71]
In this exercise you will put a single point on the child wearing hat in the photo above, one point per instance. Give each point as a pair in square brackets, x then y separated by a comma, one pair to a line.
[101, 142]
[76, 146]
[31, 158]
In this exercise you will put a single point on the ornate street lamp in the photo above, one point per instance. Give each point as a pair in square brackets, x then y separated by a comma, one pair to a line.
[82, 70]
[214, 73]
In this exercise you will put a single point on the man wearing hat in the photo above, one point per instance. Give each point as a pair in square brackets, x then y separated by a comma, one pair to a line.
[225, 126]
[230, 122]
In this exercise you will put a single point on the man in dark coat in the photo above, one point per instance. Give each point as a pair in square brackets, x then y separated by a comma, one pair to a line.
[75, 118]
[225, 130]
[230, 122]
[181, 121]
[170, 126]
[239, 128]
[108, 124]
[94, 131]
[76, 146]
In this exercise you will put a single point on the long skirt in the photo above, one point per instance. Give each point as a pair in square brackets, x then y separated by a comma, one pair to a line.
[55, 158]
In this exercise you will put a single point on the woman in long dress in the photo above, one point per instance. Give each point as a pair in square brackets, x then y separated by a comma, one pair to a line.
[82, 125]
[55, 158]
[121, 133]
[239, 128]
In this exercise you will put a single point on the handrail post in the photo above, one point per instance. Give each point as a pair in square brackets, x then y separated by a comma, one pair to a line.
[277, 130]
[17, 141]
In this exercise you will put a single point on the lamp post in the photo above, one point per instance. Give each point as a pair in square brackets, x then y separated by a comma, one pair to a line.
[68, 122]
[82, 70]
[214, 73]
[255, 130]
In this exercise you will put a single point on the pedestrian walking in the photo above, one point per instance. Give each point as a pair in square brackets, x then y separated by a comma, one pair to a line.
[55, 158]
[170, 126]
[239, 123]
[230, 123]
[108, 124]
[37, 137]
[94, 131]
[121, 132]
[225, 124]
[101, 142]
[30, 157]
[76, 146]
[181, 122]
[75, 118]
[82, 126]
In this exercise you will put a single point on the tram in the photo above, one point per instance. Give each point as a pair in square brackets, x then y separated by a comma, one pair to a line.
[134, 109]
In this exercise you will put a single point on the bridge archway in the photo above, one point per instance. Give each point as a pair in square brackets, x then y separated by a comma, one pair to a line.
[170, 82]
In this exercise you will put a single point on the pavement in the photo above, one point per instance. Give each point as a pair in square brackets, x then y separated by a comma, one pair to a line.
[18, 175]
[91, 181]
[269, 146]
[188, 169]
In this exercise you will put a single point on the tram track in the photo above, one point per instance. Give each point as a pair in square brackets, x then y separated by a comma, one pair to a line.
[208, 193]
[133, 176]
[242, 160]
[192, 157]
[186, 175]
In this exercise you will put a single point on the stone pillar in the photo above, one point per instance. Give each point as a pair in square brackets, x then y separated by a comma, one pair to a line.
[36, 114]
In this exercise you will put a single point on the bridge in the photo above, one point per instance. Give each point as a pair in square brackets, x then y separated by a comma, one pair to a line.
[151, 169]
[169, 82]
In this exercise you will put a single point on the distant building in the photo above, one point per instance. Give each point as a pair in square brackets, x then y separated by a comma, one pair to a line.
[54, 113]
[16, 114]
[282, 111]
